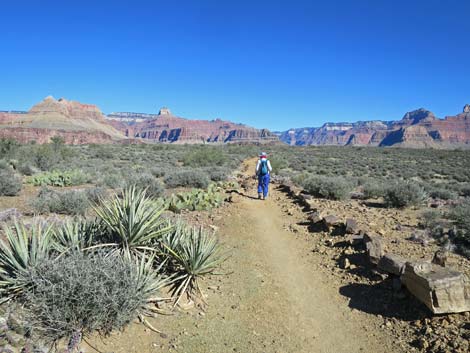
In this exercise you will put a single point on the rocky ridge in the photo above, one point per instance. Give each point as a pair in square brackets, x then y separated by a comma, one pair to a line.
[77, 123]
[419, 128]
[168, 128]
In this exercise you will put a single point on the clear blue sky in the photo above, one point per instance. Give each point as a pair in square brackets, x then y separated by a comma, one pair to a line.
[275, 64]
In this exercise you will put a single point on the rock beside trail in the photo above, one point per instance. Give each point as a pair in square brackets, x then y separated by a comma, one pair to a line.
[315, 217]
[374, 248]
[351, 226]
[441, 289]
[392, 264]
[331, 221]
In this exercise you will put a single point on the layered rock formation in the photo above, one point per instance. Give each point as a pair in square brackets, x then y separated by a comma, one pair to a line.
[165, 127]
[77, 123]
[419, 128]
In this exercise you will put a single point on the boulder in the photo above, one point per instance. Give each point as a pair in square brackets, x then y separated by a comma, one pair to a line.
[331, 221]
[315, 217]
[374, 248]
[351, 226]
[392, 264]
[441, 289]
[355, 239]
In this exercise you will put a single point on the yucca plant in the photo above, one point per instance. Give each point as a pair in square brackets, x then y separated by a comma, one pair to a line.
[77, 234]
[195, 253]
[133, 221]
[21, 250]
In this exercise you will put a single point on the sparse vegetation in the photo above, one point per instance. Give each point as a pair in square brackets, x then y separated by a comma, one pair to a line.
[73, 296]
[10, 184]
[72, 202]
[335, 188]
[187, 178]
[403, 194]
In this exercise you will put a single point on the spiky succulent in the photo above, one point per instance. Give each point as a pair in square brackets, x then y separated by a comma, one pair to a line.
[195, 253]
[22, 248]
[133, 221]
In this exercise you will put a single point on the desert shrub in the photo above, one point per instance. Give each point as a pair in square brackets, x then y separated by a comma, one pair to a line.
[464, 190]
[187, 178]
[373, 189]
[205, 157]
[404, 193]
[113, 180]
[59, 178]
[96, 194]
[4, 164]
[278, 163]
[430, 219]
[27, 169]
[75, 295]
[10, 184]
[443, 194]
[217, 173]
[460, 215]
[73, 202]
[146, 181]
[159, 172]
[335, 188]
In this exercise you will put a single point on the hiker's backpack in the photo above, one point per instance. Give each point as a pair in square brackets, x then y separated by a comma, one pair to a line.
[263, 168]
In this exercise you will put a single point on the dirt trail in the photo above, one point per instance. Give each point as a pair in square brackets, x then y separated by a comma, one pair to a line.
[277, 298]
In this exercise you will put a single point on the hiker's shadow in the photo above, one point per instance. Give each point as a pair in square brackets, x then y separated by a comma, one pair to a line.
[380, 299]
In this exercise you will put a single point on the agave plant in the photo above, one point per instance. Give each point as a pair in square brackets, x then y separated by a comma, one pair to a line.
[195, 254]
[134, 221]
[22, 249]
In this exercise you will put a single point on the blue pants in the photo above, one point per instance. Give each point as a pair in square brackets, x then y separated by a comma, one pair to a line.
[263, 184]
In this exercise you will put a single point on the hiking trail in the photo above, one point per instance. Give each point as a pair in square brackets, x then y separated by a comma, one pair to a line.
[276, 297]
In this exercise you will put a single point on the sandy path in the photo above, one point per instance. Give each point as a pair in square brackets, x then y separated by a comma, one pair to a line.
[274, 300]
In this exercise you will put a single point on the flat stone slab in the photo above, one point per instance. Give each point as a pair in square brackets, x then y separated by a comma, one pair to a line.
[441, 289]
[392, 264]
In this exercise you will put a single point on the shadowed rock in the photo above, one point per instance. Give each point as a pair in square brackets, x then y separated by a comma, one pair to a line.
[441, 289]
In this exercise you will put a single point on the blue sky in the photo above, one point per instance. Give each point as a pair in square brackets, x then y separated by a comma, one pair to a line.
[275, 64]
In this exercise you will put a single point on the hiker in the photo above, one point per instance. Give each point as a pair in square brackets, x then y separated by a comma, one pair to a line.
[263, 168]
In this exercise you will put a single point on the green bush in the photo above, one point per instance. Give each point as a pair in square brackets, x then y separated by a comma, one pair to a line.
[10, 184]
[334, 188]
[205, 157]
[187, 178]
[460, 215]
[148, 182]
[59, 178]
[373, 189]
[442, 194]
[75, 295]
[403, 193]
[73, 202]
[464, 190]
[195, 200]
[217, 173]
